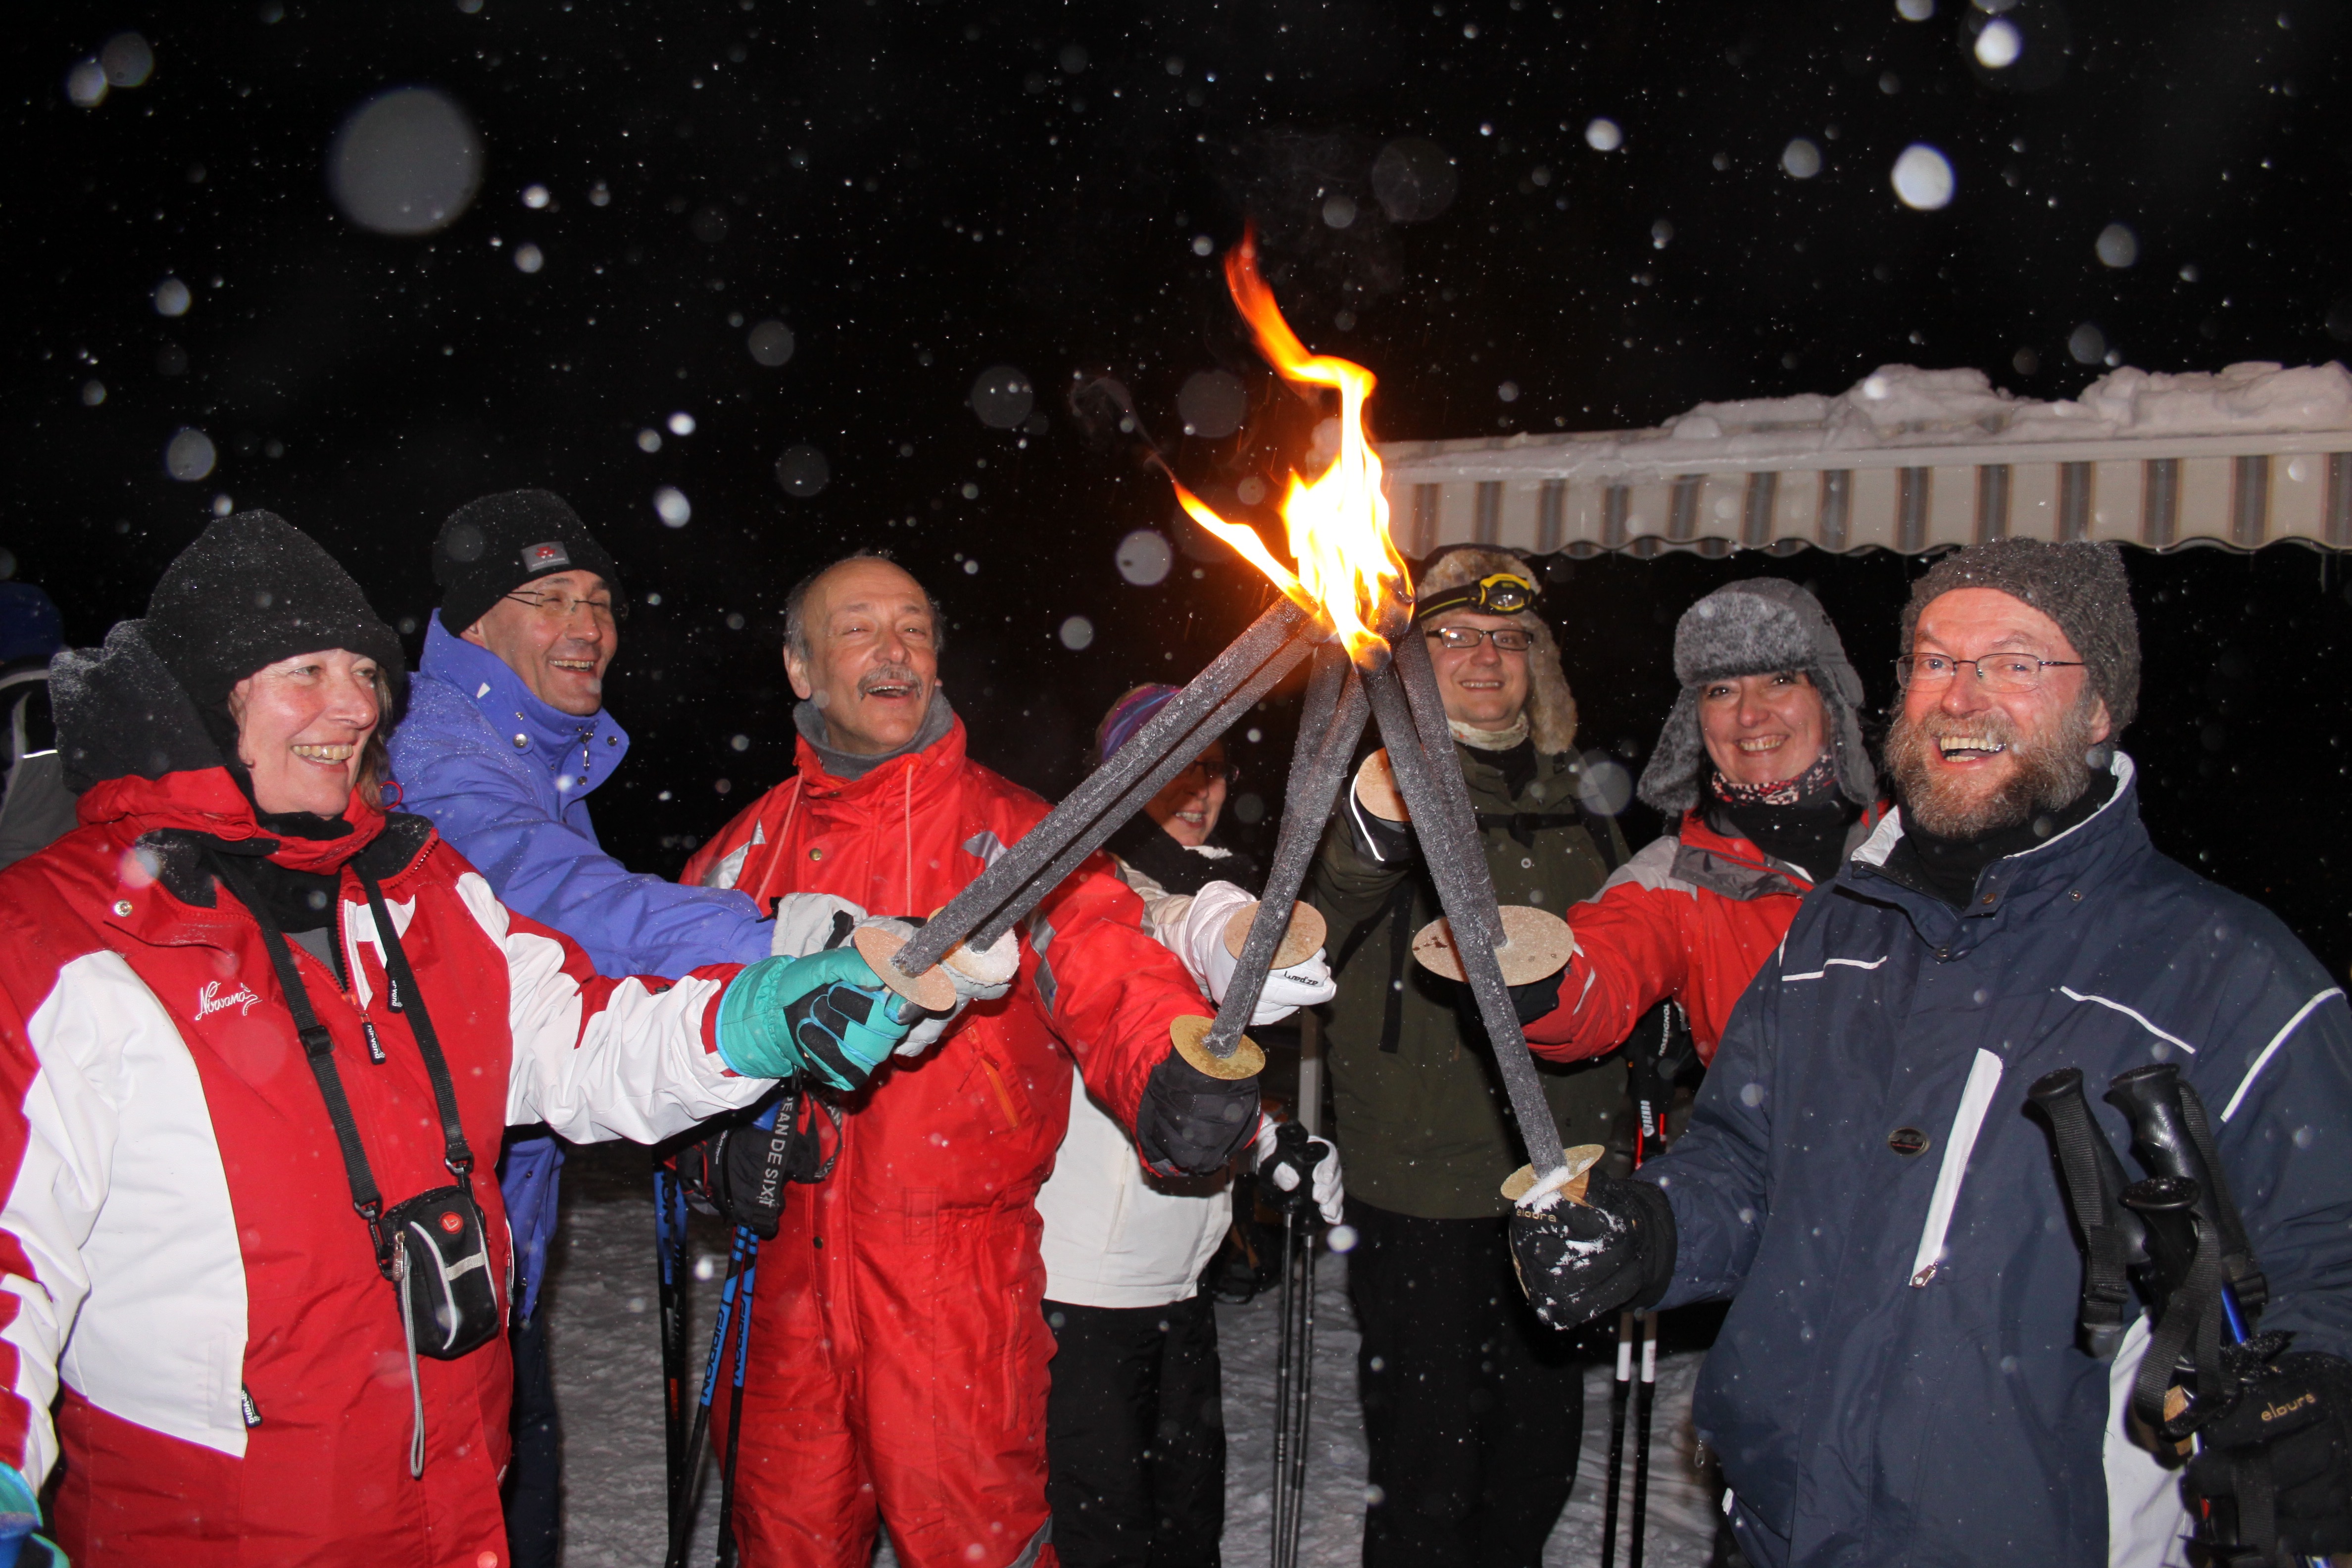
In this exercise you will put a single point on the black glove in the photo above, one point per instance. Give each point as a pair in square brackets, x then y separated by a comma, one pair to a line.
[1190, 1123]
[2294, 1418]
[1538, 998]
[1577, 1261]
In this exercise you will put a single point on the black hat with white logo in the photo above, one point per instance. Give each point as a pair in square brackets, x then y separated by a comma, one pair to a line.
[491, 547]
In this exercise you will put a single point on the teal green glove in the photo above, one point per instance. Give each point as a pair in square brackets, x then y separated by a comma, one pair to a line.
[828, 1013]
[20, 1517]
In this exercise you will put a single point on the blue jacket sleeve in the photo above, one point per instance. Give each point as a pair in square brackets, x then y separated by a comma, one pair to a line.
[628, 923]
[2278, 1085]
[1715, 1174]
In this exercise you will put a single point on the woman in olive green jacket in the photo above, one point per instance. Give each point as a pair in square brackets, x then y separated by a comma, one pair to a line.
[1472, 1407]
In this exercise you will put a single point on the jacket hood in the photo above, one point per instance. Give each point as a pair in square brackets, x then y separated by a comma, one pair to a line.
[120, 714]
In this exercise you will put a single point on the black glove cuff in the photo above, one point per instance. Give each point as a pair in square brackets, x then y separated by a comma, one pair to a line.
[1538, 998]
[1654, 1224]
[1190, 1124]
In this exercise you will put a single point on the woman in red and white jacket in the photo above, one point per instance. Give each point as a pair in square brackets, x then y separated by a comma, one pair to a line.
[214, 1052]
[1763, 761]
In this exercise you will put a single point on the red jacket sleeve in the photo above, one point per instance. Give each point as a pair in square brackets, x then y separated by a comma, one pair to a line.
[1632, 953]
[1109, 992]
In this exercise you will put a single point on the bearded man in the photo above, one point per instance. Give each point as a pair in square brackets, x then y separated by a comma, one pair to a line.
[1898, 1379]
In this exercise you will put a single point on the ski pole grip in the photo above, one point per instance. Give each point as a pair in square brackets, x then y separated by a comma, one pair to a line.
[2172, 1137]
[2166, 1207]
[2092, 1179]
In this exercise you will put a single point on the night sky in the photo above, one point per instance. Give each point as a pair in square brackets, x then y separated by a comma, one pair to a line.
[924, 193]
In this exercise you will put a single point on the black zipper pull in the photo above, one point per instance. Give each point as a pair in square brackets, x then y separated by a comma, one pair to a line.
[246, 1407]
[375, 1046]
[390, 990]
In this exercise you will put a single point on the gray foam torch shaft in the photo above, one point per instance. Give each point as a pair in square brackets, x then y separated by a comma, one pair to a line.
[1328, 731]
[1447, 831]
[1011, 887]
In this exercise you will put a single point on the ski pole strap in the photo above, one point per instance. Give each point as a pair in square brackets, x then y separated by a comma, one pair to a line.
[2106, 1288]
[2253, 1290]
[319, 1049]
[2189, 1325]
[454, 1152]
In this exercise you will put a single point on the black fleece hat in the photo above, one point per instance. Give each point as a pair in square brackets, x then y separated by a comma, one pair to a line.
[491, 547]
[2080, 584]
[253, 589]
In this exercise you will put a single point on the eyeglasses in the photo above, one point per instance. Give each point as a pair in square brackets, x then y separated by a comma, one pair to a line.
[561, 608]
[2003, 672]
[1506, 639]
[1211, 772]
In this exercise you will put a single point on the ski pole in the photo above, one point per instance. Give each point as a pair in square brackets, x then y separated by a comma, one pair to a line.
[1283, 1393]
[1644, 1400]
[1619, 1392]
[1302, 1386]
[726, 1551]
[669, 1259]
[681, 1519]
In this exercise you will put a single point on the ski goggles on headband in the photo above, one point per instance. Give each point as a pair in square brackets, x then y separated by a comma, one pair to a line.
[1498, 594]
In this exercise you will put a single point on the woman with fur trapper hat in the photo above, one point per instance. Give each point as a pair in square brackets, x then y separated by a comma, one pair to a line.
[1472, 1409]
[261, 1037]
[1762, 759]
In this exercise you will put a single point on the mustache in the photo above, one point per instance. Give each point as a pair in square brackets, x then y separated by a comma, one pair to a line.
[883, 675]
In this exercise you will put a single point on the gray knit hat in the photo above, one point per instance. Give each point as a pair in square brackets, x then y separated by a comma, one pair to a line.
[2081, 586]
[1754, 628]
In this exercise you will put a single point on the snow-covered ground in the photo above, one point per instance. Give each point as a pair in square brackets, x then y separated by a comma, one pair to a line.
[608, 1378]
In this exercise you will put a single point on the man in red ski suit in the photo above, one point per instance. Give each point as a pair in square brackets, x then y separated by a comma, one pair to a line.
[898, 1352]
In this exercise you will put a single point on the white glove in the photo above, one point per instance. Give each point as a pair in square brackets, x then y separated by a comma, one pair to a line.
[807, 922]
[1202, 945]
[1330, 1192]
[978, 974]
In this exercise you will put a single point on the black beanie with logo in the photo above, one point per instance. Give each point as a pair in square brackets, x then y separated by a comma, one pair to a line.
[491, 547]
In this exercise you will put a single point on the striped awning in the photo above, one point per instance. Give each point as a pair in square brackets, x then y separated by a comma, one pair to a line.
[1585, 493]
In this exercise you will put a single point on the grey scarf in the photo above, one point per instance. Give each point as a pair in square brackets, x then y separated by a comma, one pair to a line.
[809, 720]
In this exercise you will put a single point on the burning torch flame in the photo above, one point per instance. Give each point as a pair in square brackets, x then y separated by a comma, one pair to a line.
[1349, 572]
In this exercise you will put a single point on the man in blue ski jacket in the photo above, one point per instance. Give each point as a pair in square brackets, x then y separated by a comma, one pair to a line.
[1897, 1382]
[505, 738]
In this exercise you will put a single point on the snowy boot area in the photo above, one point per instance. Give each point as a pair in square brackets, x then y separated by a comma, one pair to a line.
[604, 1346]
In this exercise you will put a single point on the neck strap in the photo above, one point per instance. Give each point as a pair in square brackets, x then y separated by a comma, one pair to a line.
[319, 1046]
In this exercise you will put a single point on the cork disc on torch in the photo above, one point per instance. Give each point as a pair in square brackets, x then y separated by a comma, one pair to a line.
[1537, 942]
[931, 989]
[1298, 943]
[1376, 789]
[1580, 1160]
[1190, 1036]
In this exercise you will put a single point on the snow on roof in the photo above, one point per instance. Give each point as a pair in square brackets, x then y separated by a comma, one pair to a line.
[1900, 408]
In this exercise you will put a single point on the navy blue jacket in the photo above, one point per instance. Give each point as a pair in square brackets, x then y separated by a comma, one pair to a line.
[1897, 1382]
[506, 779]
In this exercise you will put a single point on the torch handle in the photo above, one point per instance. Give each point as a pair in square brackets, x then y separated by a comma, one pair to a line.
[1318, 769]
[1451, 849]
[1133, 798]
[1419, 681]
[1011, 887]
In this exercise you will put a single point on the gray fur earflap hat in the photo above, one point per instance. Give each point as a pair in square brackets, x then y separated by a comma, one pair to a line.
[2081, 585]
[1756, 628]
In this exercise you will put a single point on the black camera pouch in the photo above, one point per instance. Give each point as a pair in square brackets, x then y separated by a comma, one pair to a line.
[441, 1266]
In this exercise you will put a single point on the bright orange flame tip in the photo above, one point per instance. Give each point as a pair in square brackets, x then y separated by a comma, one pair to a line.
[1338, 522]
